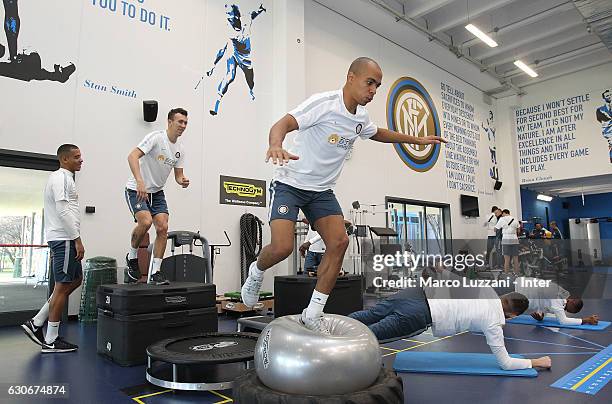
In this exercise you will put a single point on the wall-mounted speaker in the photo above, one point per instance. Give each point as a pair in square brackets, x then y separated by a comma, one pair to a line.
[497, 185]
[149, 109]
[565, 205]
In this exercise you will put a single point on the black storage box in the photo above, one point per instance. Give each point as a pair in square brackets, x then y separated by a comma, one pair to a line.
[124, 339]
[139, 298]
[292, 294]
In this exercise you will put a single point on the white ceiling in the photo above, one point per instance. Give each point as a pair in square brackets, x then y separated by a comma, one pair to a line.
[555, 37]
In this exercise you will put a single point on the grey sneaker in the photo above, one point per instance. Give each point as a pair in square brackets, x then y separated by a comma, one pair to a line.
[33, 332]
[317, 324]
[250, 291]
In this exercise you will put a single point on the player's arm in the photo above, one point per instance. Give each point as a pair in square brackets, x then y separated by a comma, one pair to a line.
[69, 219]
[134, 162]
[278, 132]
[388, 136]
[180, 178]
[495, 339]
[565, 320]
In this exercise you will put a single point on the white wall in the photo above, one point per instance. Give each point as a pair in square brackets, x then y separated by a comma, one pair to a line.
[577, 146]
[112, 49]
[375, 170]
[235, 141]
[298, 48]
[588, 132]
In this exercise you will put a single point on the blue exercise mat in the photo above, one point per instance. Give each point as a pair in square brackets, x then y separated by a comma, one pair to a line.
[547, 322]
[455, 363]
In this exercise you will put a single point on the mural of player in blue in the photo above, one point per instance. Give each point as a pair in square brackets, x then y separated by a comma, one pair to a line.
[490, 130]
[240, 45]
[25, 66]
[604, 116]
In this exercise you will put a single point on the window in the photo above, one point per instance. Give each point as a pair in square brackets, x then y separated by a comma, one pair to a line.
[23, 252]
[421, 226]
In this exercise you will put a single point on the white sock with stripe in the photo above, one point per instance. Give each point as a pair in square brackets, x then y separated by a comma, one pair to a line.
[42, 315]
[133, 253]
[316, 305]
[156, 265]
[52, 331]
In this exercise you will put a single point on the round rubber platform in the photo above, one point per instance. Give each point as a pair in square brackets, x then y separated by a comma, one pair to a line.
[207, 348]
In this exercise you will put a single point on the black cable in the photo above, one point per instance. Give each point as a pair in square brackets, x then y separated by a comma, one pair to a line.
[250, 242]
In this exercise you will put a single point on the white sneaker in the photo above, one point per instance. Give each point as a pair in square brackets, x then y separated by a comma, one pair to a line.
[317, 324]
[250, 291]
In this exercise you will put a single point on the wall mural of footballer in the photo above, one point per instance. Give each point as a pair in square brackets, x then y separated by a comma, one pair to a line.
[239, 44]
[21, 65]
[604, 116]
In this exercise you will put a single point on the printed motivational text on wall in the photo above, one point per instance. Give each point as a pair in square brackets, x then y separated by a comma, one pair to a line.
[462, 132]
[135, 10]
[547, 132]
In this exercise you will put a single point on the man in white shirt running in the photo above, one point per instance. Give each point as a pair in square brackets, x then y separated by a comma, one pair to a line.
[151, 162]
[412, 310]
[63, 234]
[552, 300]
[510, 242]
[328, 124]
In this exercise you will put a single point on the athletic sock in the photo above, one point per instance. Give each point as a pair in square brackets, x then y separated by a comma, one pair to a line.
[133, 253]
[316, 305]
[42, 315]
[52, 331]
[255, 272]
[156, 265]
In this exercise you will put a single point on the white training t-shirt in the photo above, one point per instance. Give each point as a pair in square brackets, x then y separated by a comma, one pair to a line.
[509, 226]
[61, 203]
[160, 157]
[547, 300]
[490, 224]
[326, 132]
[452, 316]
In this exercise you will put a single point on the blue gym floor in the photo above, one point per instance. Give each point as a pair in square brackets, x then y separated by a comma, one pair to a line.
[93, 379]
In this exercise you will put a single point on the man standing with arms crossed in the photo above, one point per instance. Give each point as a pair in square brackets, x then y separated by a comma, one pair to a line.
[151, 162]
[63, 234]
[328, 124]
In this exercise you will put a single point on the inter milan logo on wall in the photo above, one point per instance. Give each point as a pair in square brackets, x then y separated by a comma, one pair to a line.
[410, 110]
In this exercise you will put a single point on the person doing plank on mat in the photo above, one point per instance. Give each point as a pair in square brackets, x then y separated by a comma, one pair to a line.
[554, 300]
[412, 310]
[328, 124]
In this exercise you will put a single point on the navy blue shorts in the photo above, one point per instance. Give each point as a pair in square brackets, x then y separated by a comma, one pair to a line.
[66, 268]
[155, 202]
[286, 202]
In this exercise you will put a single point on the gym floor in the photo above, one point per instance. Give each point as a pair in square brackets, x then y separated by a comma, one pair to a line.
[93, 379]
